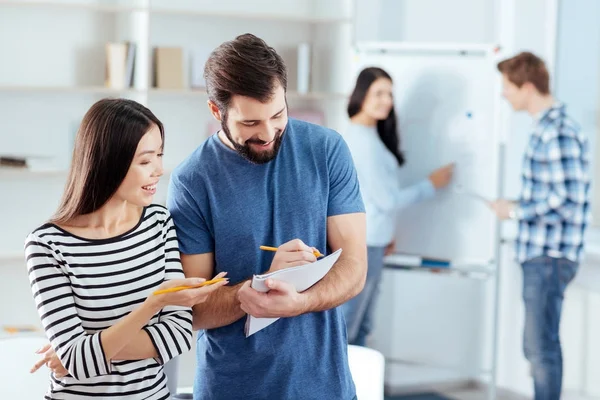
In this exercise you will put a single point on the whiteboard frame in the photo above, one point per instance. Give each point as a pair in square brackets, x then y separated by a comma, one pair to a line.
[426, 46]
[494, 54]
[487, 51]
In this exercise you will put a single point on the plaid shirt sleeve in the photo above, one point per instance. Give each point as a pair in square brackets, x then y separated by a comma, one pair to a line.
[559, 167]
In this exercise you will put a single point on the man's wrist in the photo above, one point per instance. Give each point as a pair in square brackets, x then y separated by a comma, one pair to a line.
[515, 213]
[304, 303]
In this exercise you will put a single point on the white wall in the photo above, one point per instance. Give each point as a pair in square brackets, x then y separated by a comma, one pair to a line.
[457, 21]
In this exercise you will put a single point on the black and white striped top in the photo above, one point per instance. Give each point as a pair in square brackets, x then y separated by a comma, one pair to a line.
[84, 286]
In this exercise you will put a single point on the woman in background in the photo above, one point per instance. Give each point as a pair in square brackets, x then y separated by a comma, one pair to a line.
[373, 140]
[94, 266]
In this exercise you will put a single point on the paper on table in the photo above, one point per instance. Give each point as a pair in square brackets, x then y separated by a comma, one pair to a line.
[302, 277]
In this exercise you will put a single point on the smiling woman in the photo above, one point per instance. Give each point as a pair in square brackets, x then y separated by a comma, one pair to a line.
[94, 266]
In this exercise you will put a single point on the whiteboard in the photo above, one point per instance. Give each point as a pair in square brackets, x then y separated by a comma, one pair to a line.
[446, 101]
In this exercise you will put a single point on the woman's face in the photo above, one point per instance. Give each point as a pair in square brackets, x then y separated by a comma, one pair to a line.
[379, 99]
[139, 185]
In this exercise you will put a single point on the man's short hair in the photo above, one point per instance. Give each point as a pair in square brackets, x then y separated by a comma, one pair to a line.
[526, 67]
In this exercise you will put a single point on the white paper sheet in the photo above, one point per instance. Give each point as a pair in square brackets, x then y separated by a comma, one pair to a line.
[302, 277]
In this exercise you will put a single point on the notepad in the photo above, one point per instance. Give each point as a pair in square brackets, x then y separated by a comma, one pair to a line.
[302, 277]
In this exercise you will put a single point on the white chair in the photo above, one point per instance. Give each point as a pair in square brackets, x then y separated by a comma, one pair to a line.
[17, 353]
[367, 367]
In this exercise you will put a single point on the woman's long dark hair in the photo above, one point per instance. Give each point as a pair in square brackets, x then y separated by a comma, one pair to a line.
[104, 149]
[387, 128]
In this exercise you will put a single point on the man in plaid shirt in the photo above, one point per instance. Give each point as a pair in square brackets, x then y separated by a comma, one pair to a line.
[552, 212]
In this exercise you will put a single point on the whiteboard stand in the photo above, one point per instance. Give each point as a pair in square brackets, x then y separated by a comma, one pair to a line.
[433, 75]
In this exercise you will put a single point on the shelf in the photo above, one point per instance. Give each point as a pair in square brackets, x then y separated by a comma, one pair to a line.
[318, 95]
[153, 91]
[179, 12]
[69, 89]
[72, 5]
[460, 270]
[12, 257]
[19, 172]
[290, 94]
[177, 92]
[485, 269]
[23, 172]
[250, 16]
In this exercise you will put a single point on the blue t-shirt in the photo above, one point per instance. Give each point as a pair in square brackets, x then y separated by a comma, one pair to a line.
[222, 203]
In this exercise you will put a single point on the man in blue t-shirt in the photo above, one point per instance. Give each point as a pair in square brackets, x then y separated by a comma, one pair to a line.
[264, 179]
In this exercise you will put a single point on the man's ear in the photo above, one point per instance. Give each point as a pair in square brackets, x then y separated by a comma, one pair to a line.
[214, 110]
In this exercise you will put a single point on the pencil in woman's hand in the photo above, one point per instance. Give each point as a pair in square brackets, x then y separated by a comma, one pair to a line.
[178, 288]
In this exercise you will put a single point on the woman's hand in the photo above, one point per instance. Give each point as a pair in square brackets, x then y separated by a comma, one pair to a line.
[441, 177]
[51, 360]
[187, 297]
[390, 248]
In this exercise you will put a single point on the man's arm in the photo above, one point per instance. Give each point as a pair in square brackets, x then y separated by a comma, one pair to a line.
[343, 281]
[347, 276]
[222, 307]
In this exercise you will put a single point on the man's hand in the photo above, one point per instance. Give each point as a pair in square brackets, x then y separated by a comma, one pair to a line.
[51, 360]
[502, 208]
[292, 254]
[282, 300]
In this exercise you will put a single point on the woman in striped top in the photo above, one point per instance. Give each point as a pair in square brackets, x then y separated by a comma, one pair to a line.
[94, 266]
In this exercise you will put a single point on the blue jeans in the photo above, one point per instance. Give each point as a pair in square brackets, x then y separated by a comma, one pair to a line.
[358, 311]
[544, 282]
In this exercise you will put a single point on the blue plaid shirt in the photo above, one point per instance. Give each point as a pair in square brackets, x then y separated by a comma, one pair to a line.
[554, 207]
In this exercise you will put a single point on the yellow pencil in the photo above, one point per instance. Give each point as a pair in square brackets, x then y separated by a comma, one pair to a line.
[269, 248]
[178, 288]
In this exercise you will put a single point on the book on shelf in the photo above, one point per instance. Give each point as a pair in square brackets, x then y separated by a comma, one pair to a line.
[198, 58]
[27, 162]
[168, 68]
[17, 329]
[120, 65]
[12, 162]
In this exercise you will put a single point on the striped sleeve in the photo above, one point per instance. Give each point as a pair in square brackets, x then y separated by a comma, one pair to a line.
[79, 352]
[172, 334]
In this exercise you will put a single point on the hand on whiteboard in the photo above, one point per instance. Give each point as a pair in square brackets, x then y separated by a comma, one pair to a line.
[441, 177]
[502, 208]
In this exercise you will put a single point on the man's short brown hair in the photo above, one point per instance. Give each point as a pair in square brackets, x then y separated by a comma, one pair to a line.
[526, 67]
[244, 66]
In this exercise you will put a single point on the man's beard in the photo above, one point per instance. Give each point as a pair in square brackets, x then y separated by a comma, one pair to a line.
[246, 151]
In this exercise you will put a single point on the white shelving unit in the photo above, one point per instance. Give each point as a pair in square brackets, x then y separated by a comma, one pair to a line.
[65, 56]
[52, 71]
